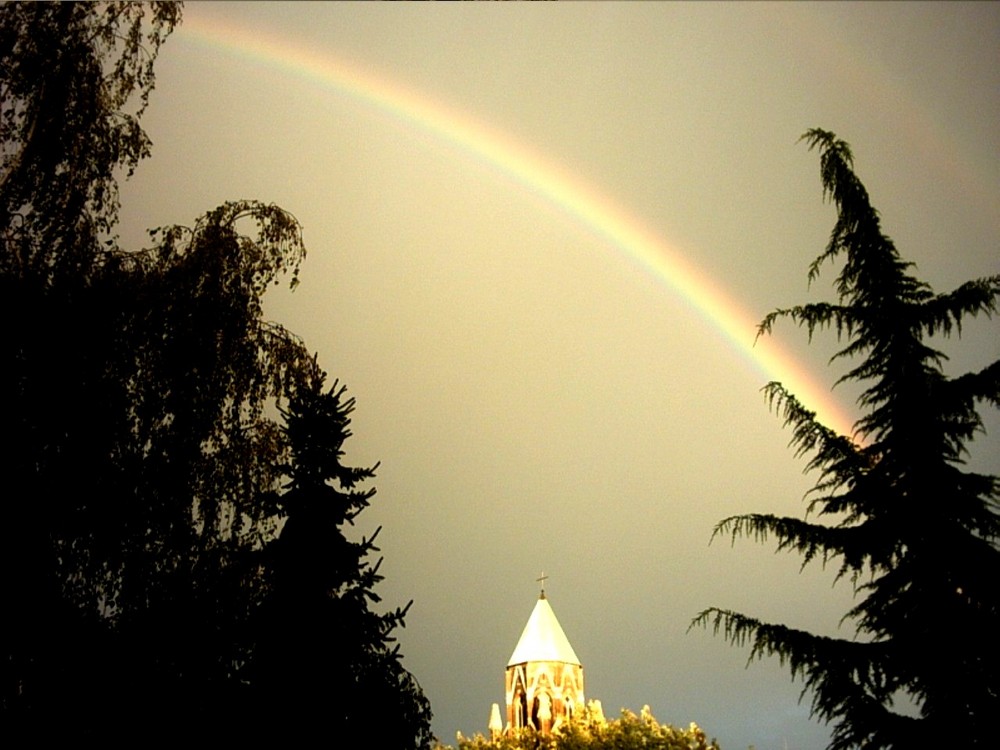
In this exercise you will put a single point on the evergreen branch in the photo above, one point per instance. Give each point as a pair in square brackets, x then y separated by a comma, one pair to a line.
[858, 545]
[803, 652]
[808, 539]
[980, 386]
[807, 433]
[945, 311]
[845, 676]
[815, 316]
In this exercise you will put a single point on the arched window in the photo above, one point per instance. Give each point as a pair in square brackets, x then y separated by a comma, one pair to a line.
[541, 712]
[520, 708]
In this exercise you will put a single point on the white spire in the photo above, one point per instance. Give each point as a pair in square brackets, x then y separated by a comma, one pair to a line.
[543, 638]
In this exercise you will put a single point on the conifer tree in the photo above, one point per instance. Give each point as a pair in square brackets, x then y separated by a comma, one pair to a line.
[326, 661]
[914, 532]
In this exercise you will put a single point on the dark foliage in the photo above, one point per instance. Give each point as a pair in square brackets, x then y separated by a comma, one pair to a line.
[76, 79]
[915, 533]
[145, 453]
[326, 662]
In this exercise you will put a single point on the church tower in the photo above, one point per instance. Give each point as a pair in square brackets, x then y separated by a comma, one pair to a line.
[544, 678]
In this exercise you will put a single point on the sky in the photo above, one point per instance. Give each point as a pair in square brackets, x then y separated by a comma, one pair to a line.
[540, 237]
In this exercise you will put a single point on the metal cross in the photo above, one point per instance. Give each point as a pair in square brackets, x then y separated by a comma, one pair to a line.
[541, 580]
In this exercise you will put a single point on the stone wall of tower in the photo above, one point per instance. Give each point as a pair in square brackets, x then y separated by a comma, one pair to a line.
[543, 694]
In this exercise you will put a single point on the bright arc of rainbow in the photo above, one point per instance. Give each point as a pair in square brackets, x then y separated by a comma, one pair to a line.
[598, 213]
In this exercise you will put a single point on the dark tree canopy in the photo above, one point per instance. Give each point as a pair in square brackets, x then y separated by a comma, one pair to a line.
[893, 507]
[147, 453]
[75, 83]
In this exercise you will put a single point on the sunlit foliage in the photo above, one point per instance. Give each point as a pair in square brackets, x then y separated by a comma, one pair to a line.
[591, 731]
[893, 508]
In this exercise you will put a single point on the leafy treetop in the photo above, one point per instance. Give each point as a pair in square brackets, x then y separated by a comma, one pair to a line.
[591, 731]
[76, 81]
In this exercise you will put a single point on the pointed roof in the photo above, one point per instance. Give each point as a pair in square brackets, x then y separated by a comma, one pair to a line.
[543, 638]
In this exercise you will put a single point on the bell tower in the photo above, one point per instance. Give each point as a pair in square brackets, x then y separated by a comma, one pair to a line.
[544, 677]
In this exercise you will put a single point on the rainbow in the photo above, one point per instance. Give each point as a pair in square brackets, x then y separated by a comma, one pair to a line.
[584, 204]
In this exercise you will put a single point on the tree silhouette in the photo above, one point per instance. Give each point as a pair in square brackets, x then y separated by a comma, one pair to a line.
[144, 448]
[327, 662]
[915, 533]
[75, 83]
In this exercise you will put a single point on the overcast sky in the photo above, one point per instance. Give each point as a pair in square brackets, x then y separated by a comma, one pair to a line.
[539, 398]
